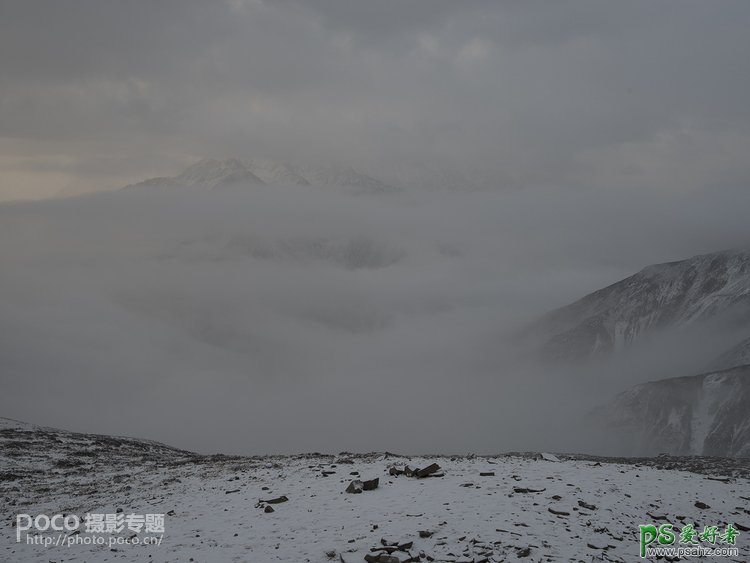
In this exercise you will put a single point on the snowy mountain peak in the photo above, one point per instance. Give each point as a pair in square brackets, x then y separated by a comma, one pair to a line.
[660, 296]
[211, 173]
[216, 173]
[272, 172]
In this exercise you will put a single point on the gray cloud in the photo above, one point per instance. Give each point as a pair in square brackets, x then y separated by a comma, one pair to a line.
[570, 94]
[299, 318]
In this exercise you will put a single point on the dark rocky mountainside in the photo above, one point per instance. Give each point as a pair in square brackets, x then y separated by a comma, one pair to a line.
[706, 414]
[662, 296]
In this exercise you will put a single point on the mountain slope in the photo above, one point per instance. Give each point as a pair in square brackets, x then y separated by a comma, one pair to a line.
[272, 172]
[211, 174]
[207, 173]
[27, 447]
[514, 507]
[662, 296]
[217, 173]
[707, 414]
[343, 176]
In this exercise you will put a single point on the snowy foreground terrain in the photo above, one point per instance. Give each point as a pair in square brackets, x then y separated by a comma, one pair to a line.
[527, 507]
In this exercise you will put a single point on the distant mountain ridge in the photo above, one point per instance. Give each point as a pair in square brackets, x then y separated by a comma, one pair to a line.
[706, 414]
[448, 178]
[661, 296]
[272, 172]
[213, 174]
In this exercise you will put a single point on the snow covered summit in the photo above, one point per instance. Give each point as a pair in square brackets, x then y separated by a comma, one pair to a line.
[212, 173]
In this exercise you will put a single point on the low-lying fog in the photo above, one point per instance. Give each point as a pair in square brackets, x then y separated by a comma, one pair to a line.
[274, 319]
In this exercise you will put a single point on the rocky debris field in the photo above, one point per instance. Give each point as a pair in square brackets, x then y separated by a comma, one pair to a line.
[380, 508]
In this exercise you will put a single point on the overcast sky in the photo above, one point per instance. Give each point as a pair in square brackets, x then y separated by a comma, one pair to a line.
[328, 318]
[96, 94]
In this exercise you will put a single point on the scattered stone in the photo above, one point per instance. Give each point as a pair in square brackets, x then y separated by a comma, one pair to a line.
[232, 491]
[276, 500]
[586, 505]
[701, 505]
[523, 552]
[721, 479]
[331, 554]
[507, 532]
[549, 457]
[524, 490]
[406, 546]
[487, 474]
[388, 548]
[427, 471]
[425, 533]
[382, 558]
[559, 512]
[656, 516]
[371, 485]
[355, 487]
[268, 508]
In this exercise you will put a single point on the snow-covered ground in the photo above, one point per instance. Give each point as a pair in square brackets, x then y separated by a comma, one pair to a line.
[214, 511]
